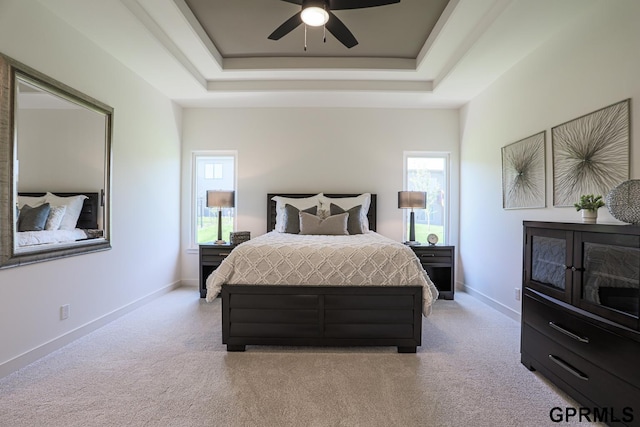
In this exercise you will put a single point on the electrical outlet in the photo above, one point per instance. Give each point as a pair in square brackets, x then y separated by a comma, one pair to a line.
[64, 312]
[517, 294]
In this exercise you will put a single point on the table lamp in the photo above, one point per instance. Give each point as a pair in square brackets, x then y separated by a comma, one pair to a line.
[412, 200]
[220, 199]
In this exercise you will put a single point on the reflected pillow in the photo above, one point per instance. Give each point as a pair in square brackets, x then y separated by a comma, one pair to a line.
[73, 208]
[300, 203]
[332, 226]
[33, 218]
[354, 223]
[347, 203]
[292, 218]
[32, 201]
[56, 214]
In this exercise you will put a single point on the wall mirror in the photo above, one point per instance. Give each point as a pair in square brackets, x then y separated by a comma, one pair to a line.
[55, 168]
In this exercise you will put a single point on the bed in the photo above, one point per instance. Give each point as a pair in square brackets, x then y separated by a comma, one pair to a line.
[323, 308]
[76, 218]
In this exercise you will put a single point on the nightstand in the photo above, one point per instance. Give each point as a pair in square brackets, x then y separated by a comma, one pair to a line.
[439, 262]
[210, 258]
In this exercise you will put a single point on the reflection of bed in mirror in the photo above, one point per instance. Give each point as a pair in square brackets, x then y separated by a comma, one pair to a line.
[52, 137]
[56, 218]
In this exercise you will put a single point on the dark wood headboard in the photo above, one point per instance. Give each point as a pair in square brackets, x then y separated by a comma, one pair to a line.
[271, 207]
[88, 219]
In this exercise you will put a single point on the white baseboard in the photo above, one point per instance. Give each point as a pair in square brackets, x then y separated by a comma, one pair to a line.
[507, 311]
[39, 352]
[190, 282]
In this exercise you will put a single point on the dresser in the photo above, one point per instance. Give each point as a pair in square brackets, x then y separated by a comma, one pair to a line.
[580, 314]
[210, 258]
[438, 262]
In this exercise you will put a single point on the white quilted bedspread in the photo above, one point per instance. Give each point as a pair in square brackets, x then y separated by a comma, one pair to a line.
[368, 259]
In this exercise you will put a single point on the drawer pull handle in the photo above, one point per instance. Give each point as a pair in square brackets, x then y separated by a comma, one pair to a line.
[569, 333]
[564, 365]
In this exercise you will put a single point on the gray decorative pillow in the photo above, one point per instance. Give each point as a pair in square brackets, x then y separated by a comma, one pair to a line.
[334, 225]
[354, 224]
[292, 218]
[33, 219]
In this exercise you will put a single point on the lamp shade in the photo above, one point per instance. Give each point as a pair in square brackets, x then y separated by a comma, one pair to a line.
[412, 199]
[220, 199]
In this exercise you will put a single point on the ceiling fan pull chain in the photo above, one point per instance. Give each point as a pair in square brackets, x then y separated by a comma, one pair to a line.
[305, 37]
[324, 33]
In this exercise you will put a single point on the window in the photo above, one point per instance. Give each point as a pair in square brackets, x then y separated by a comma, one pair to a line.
[428, 172]
[212, 170]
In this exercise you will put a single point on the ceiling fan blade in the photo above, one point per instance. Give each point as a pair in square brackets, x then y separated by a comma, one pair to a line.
[340, 31]
[288, 26]
[357, 4]
[293, 1]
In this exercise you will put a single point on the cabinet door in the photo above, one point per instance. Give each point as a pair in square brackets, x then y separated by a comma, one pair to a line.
[548, 262]
[606, 280]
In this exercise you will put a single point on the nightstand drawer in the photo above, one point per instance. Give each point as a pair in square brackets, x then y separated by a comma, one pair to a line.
[434, 256]
[428, 251]
[214, 258]
[430, 260]
[592, 342]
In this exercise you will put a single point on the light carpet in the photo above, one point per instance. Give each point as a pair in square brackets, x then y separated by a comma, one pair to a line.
[164, 365]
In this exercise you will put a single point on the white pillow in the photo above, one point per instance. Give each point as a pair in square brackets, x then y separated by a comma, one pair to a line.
[300, 204]
[33, 201]
[347, 203]
[73, 207]
[56, 214]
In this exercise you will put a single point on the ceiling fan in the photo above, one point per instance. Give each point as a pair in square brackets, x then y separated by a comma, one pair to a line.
[316, 13]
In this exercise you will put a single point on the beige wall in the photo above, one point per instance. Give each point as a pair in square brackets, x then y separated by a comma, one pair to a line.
[60, 150]
[588, 66]
[313, 150]
[145, 198]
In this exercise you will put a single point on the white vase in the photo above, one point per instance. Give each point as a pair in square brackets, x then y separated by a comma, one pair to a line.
[589, 216]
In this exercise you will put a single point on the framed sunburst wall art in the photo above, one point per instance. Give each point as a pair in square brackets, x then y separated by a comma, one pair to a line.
[590, 153]
[523, 173]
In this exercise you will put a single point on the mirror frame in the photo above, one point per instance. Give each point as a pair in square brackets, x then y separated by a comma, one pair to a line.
[9, 257]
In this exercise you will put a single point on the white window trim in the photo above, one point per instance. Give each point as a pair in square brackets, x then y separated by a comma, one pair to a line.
[447, 179]
[193, 245]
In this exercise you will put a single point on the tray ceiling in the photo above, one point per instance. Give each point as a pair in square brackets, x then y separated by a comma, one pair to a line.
[414, 54]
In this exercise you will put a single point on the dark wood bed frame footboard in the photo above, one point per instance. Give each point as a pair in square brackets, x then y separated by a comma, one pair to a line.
[321, 316]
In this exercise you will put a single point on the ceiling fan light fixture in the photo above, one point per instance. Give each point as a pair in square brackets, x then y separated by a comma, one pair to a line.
[314, 16]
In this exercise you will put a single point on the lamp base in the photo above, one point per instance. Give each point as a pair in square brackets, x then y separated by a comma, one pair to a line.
[412, 243]
[220, 242]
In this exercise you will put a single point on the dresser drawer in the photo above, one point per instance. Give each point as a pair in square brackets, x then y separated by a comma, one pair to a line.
[601, 347]
[593, 382]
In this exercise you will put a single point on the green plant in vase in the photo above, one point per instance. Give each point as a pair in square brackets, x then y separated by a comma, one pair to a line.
[589, 205]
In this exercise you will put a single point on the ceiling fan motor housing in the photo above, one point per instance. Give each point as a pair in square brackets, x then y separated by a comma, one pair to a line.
[322, 4]
[315, 12]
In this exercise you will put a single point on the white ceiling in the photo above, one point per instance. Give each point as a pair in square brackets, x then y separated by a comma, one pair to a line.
[415, 54]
